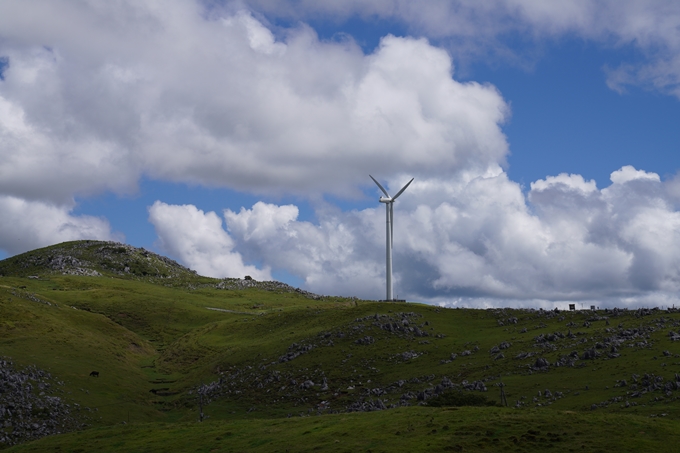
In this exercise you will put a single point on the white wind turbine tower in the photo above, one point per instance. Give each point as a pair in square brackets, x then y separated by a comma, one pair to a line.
[389, 202]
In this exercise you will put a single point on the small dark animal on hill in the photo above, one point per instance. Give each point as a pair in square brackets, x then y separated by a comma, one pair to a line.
[94, 374]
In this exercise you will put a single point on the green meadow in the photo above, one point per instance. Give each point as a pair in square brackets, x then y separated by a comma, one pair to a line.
[283, 370]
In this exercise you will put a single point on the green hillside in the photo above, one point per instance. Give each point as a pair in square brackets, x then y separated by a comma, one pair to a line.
[279, 368]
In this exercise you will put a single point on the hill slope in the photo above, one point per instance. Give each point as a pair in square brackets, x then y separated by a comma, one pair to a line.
[159, 335]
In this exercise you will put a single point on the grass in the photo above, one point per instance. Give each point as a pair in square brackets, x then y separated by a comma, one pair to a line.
[402, 430]
[172, 334]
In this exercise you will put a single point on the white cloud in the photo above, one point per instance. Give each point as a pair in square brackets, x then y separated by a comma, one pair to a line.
[198, 240]
[37, 165]
[474, 28]
[213, 98]
[332, 257]
[572, 182]
[629, 173]
[484, 243]
[26, 225]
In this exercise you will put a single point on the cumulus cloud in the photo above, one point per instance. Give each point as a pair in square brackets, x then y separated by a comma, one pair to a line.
[37, 165]
[332, 257]
[629, 173]
[198, 240]
[478, 28]
[485, 242]
[185, 94]
[26, 225]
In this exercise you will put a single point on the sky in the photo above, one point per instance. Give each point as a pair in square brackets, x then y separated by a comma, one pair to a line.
[237, 137]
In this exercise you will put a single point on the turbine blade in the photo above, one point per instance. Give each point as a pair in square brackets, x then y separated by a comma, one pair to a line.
[391, 224]
[402, 189]
[381, 187]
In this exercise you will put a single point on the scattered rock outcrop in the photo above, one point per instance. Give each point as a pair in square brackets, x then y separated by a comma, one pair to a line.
[240, 284]
[28, 408]
[295, 350]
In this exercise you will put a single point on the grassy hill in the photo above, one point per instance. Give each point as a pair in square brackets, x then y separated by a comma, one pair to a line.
[278, 368]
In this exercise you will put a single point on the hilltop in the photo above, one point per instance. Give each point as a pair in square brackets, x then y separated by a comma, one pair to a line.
[114, 259]
[93, 258]
[264, 357]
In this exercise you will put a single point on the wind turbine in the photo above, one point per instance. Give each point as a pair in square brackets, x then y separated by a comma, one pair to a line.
[389, 202]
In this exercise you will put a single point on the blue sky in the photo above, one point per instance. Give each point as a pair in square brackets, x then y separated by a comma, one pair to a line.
[233, 155]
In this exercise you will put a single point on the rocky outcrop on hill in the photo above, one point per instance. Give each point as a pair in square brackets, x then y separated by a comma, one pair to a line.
[28, 408]
[93, 258]
[239, 284]
[97, 258]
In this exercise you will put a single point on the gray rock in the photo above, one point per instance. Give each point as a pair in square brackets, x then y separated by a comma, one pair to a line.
[306, 385]
[589, 354]
[541, 363]
[365, 340]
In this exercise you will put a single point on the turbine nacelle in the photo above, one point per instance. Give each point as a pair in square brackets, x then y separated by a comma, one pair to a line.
[385, 200]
